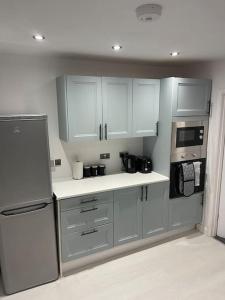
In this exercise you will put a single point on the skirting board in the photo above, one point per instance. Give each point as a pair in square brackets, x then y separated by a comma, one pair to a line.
[90, 261]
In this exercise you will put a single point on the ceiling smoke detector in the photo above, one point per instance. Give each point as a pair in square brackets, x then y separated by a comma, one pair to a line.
[148, 12]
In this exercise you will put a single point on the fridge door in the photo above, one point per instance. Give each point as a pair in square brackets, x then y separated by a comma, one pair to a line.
[28, 252]
[24, 161]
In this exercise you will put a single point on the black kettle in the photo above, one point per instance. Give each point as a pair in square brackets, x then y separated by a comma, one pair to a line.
[130, 163]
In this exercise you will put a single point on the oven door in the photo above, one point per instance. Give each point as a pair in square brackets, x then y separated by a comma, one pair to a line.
[189, 139]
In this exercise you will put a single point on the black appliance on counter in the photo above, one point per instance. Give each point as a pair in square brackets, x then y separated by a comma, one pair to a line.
[129, 163]
[144, 164]
[176, 179]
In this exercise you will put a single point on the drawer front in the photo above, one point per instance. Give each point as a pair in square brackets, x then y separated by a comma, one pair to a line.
[87, 200]
[85, 242]
[86, 216]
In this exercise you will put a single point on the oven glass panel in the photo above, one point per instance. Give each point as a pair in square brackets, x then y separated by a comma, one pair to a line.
[189, 136]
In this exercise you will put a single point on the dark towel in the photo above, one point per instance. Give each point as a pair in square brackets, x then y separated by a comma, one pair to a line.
[187, 179]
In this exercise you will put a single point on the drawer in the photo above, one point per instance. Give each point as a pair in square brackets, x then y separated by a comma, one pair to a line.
[86, 216]
[76, 202]
[85, 242]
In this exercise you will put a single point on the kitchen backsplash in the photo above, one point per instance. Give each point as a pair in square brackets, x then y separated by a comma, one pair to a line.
[89, 152]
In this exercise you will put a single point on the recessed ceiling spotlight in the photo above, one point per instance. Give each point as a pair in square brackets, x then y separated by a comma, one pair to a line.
[174, 53]
[38, 37]
[116, 47]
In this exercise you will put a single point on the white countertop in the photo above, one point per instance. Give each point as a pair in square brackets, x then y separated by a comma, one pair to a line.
[73, 188]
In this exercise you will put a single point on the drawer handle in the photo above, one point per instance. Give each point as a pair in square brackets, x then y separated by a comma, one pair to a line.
[89, 201]
[89, 209]
[89, 232]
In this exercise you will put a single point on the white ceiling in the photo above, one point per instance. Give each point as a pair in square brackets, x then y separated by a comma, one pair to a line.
[89, 28]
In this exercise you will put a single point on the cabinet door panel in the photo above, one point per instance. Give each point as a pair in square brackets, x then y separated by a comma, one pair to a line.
[155, 209]
[191, 97]
[127, 216]
[84, 107]
[185, 211]
[117, 106]
[145, 106]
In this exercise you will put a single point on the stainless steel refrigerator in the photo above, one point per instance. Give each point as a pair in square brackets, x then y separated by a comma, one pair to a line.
[28, 252]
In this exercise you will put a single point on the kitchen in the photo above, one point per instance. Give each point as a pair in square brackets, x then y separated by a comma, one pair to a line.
[35, 92]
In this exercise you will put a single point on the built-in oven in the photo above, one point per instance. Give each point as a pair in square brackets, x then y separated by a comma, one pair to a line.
[194, 183]
[188, 157]
[189, 140]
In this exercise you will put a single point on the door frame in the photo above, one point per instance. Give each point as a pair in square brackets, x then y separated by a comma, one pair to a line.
[216, 149]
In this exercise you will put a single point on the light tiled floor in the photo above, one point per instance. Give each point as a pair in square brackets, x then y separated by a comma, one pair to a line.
[191, 267]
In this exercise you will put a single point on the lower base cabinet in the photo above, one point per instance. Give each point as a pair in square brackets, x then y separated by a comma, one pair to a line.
[127, 215]
[140, 212]
[185, 211]
[94, 223]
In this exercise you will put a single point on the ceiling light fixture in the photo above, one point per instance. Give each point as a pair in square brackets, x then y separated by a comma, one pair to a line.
[148, 12]
[38, 37]
[174, 53]
[116, 47]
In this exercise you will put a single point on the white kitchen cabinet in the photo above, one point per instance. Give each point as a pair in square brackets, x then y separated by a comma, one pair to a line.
[79, 108]
[145, 107]
[117, 107]
[191, 97]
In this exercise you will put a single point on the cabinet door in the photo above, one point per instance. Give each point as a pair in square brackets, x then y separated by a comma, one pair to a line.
[155, 209]
[185, 211]
[191, 97]
[84, 107]
[145, 106]
[127, 216]
[117, 107]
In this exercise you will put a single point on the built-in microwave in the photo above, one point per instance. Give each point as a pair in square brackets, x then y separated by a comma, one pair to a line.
[189, 140]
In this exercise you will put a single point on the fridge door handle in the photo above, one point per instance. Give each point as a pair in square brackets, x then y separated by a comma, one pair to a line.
[23, 210]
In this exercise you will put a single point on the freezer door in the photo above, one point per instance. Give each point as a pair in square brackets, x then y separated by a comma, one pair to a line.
[24, 162]
[28, 252]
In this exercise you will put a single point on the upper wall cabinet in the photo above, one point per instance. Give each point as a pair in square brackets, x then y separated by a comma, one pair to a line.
[191, 97]
[117, 107]
[145, 106]
[79, 107]
[101, 108]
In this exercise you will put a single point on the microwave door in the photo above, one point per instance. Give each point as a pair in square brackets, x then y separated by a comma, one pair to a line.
[189, 136]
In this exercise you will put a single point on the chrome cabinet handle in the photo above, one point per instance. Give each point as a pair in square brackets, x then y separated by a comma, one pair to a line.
[146, 193]
[89, 209]
[157, 128]
[106, 133]
[100, 132]
[142, 193]
[88, 232]
[209, 107]
[89, 201]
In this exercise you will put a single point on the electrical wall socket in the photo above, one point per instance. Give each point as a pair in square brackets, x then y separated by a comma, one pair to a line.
[58, 162]
[104, 155]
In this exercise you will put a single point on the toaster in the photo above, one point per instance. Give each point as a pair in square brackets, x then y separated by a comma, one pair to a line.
[144, 164]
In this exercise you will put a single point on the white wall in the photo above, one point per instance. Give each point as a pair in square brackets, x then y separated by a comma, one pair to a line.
[27, 85]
